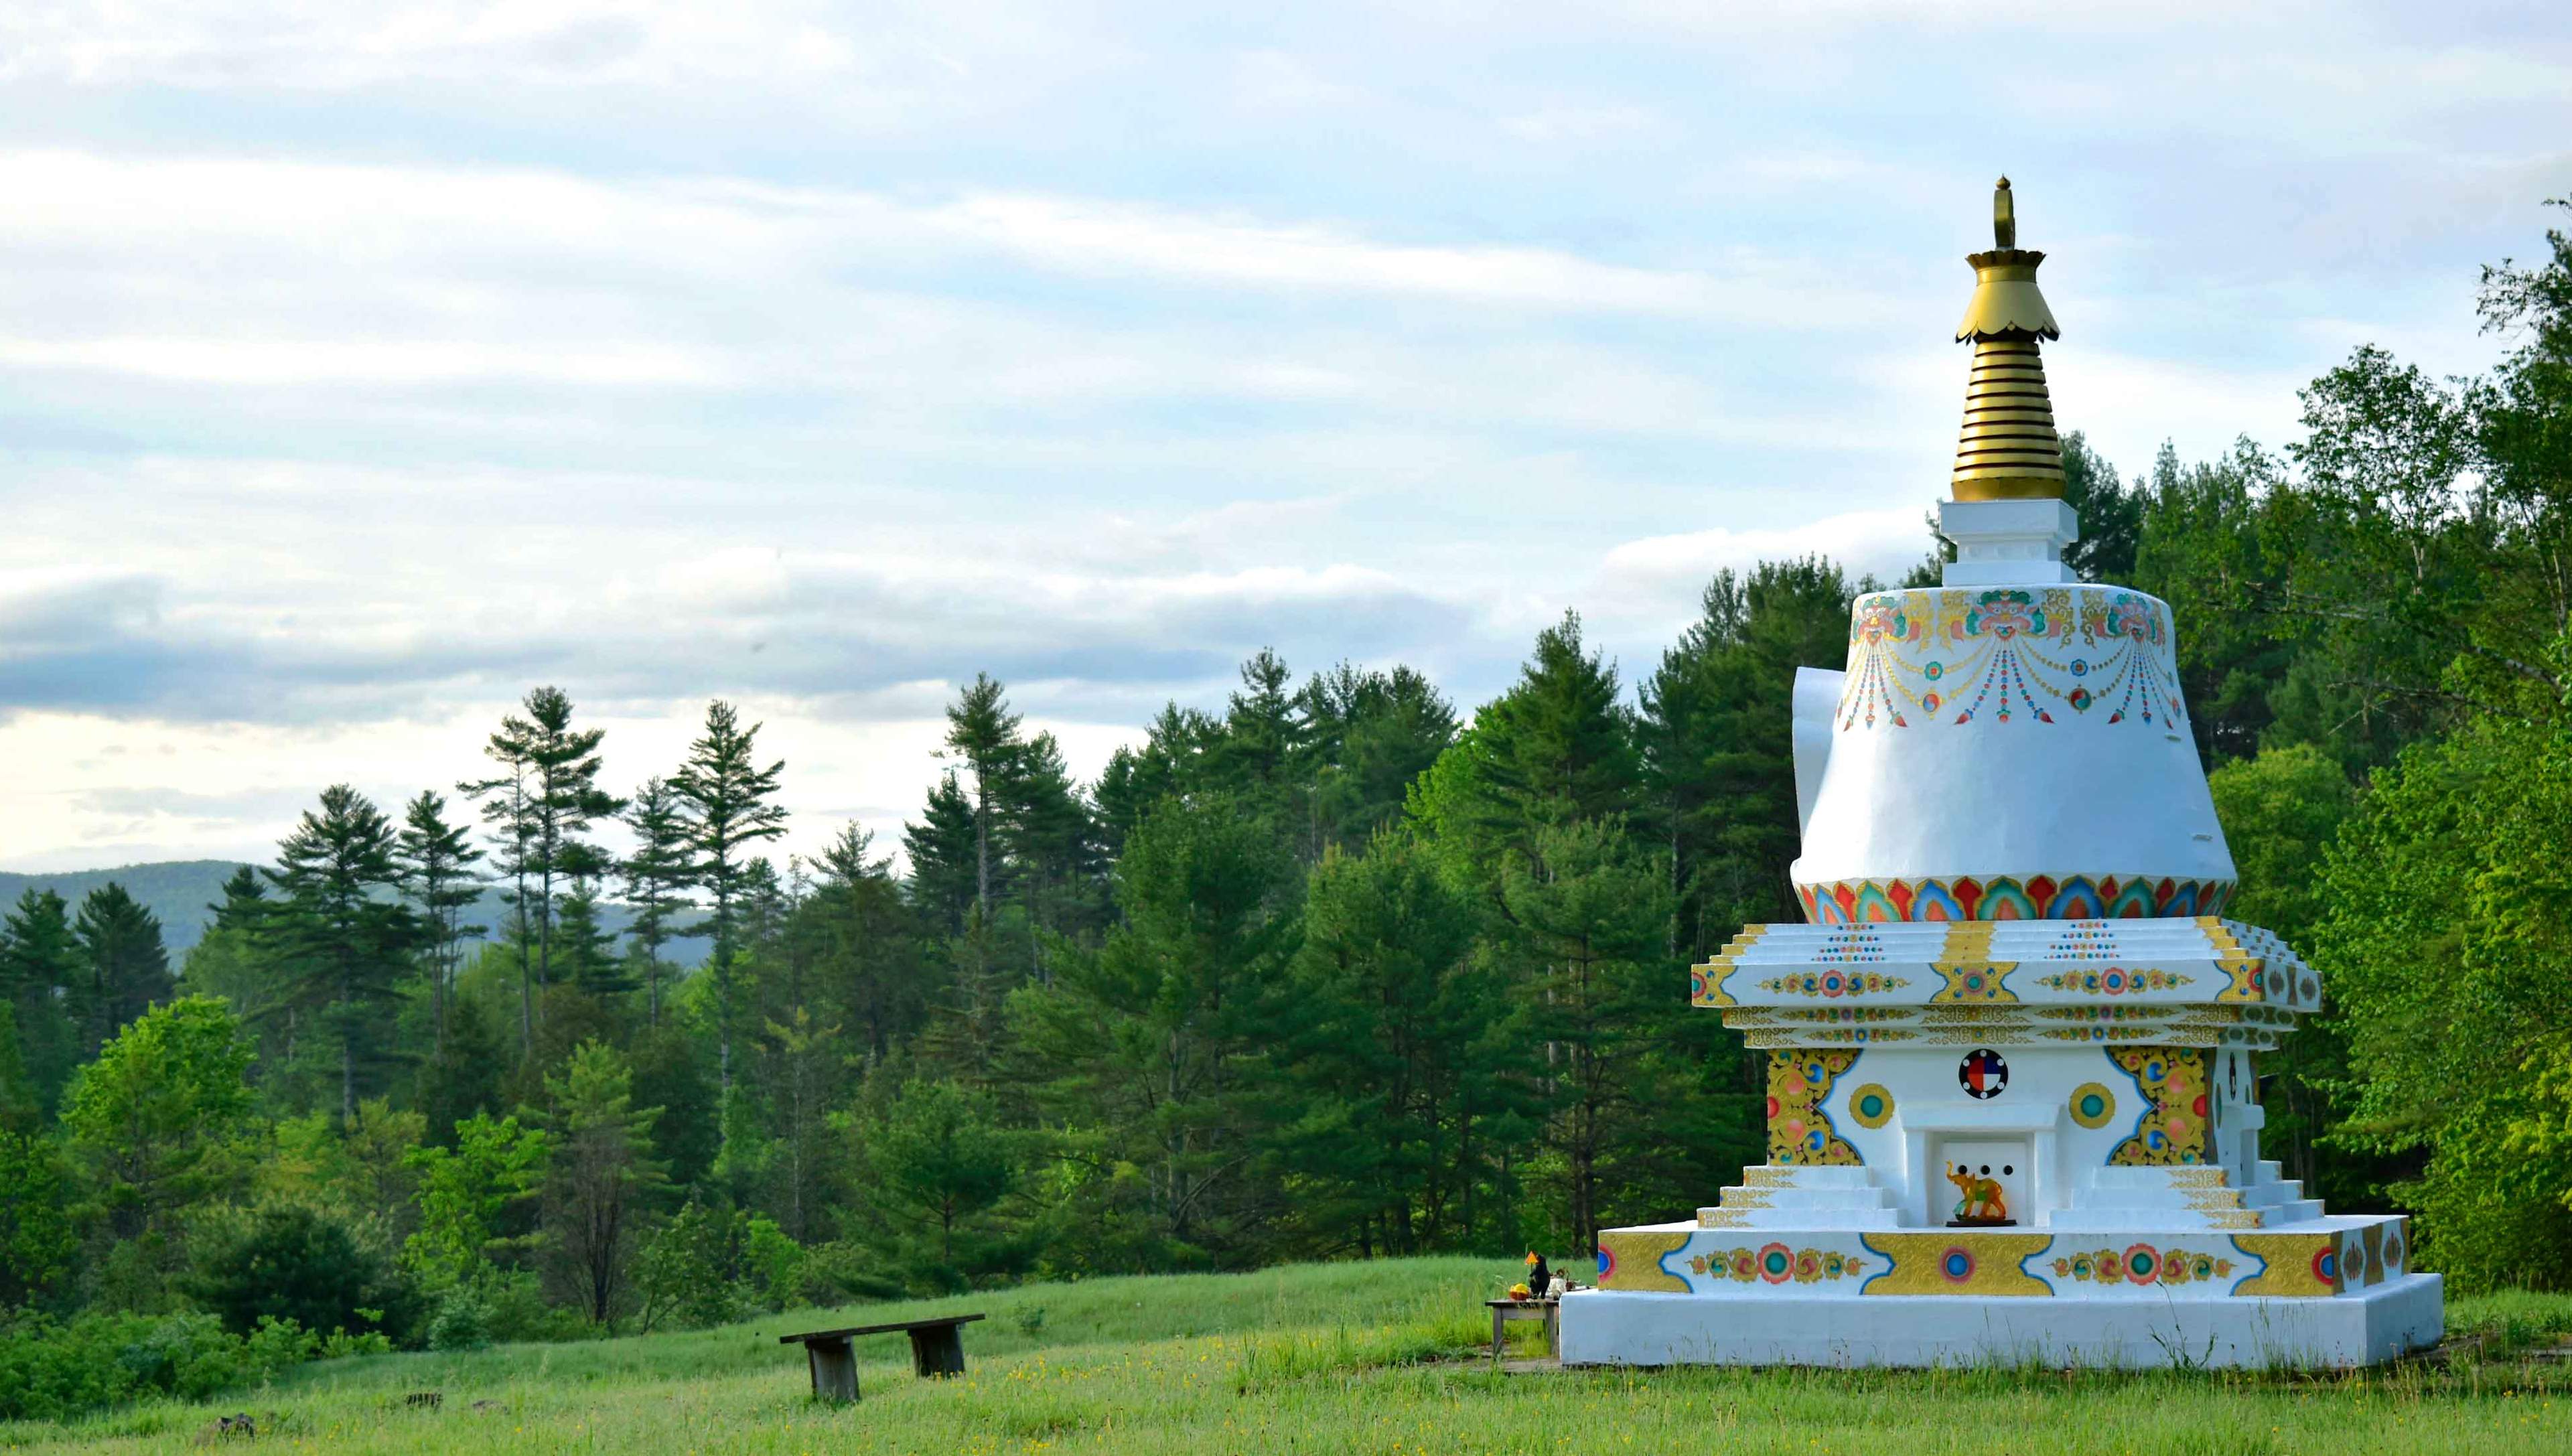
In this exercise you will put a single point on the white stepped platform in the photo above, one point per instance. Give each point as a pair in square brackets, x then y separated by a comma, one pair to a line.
[1608, 1327]
[1804, 1197]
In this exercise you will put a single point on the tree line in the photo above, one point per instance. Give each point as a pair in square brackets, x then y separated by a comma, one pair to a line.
[1332, 970]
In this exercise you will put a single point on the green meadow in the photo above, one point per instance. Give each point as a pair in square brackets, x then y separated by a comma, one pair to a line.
[1357, 1357]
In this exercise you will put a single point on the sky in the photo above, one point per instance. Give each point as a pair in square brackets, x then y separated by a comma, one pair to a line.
[362, 367]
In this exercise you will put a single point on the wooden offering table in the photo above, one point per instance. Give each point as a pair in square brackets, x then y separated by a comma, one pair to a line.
[937, 1350]
[1504, 1311]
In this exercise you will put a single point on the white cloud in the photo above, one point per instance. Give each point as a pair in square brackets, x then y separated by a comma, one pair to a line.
[361, 366]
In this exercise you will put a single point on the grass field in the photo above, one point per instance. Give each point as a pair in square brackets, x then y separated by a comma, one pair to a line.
[1328, 1358]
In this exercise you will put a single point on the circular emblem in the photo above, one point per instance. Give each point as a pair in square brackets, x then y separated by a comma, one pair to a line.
[1982, 1073]
[1776, 1263]
[2143, 1264]
[1957, 1266]
[1871, 1105]
[2093, 1104]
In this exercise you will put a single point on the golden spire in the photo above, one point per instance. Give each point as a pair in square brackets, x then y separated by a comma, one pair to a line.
[2009, 451]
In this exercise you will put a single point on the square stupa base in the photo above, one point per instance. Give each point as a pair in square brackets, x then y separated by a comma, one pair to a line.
[2364, 1327]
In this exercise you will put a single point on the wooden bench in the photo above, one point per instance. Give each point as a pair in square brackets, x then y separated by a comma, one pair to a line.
[937, 1351]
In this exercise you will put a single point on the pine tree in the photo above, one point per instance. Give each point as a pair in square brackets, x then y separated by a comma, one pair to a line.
[657, 876]
[728, 808]
[942, 850]
[1162, 1034]
[1373, 734]
[507, 807]
[125, 968]
[1591, 914]
[601, 1176]
[1261, 757]
[245, 900]
[1393, 1057]
[1177, 749]
[343, 937]
[865, 949]
[982, 732]
[1556, 748]
[584, 951]
[40, 965]
[547, 804]
[1052, 847]
[1716, 738]
[438, 878]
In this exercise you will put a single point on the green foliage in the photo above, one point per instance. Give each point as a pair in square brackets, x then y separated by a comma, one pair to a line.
[51, 1370]
[468, 1193]
[727, 805]
[342, 938]
[709, 1265]
[40, 966]
[158, 1120]
[124, 968]
[290, 1264]
[600, 1178]
[36, 1236]
[942, 1155]
[1397, 1066]
[2444, 945]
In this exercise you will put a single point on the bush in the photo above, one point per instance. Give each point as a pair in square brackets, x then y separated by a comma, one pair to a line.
[50, 1370]
[461, 1320]
[289, 1263]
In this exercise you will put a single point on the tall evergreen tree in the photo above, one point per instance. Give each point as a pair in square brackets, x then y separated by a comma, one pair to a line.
[984, 733]
[125, 969]
[1055, 861]
[1373, 734]
[865, 947]
[1163, 1032]
[545, 807]
[1261, 757]
[343, 935]
[1393, 1062]
[657, 876]
[437, 878]
[1716, 733]
[729, 806]
[943, 852]
[40, 965]
[245, 898]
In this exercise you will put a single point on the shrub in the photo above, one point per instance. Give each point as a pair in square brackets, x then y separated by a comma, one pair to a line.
[51, 1370]
[291, 1262]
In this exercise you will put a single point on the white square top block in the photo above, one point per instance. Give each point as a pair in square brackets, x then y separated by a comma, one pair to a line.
[2008, 542]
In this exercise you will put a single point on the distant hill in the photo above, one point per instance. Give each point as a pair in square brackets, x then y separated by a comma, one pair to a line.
[180, 893]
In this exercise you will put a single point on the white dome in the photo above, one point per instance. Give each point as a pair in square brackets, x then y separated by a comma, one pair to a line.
[1999, 751]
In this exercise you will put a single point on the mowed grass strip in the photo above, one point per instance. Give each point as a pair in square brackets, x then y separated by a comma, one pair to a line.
[1371, 1357]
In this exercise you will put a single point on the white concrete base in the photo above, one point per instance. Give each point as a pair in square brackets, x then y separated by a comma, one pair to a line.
[1610, 1327]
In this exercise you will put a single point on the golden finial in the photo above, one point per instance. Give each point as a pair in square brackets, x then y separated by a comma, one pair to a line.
[2008, 449]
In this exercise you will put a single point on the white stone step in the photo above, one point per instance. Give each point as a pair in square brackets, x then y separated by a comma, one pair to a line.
[2126, 1221]
[1770, 1175]
[2158, 1200]
[2271, 1195]
[2295, 1210]
[1796, 1195]
[1815, 1218]
[2157, 1178]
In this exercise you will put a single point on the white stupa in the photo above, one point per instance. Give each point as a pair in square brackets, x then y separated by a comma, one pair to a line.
[2012, 1108]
